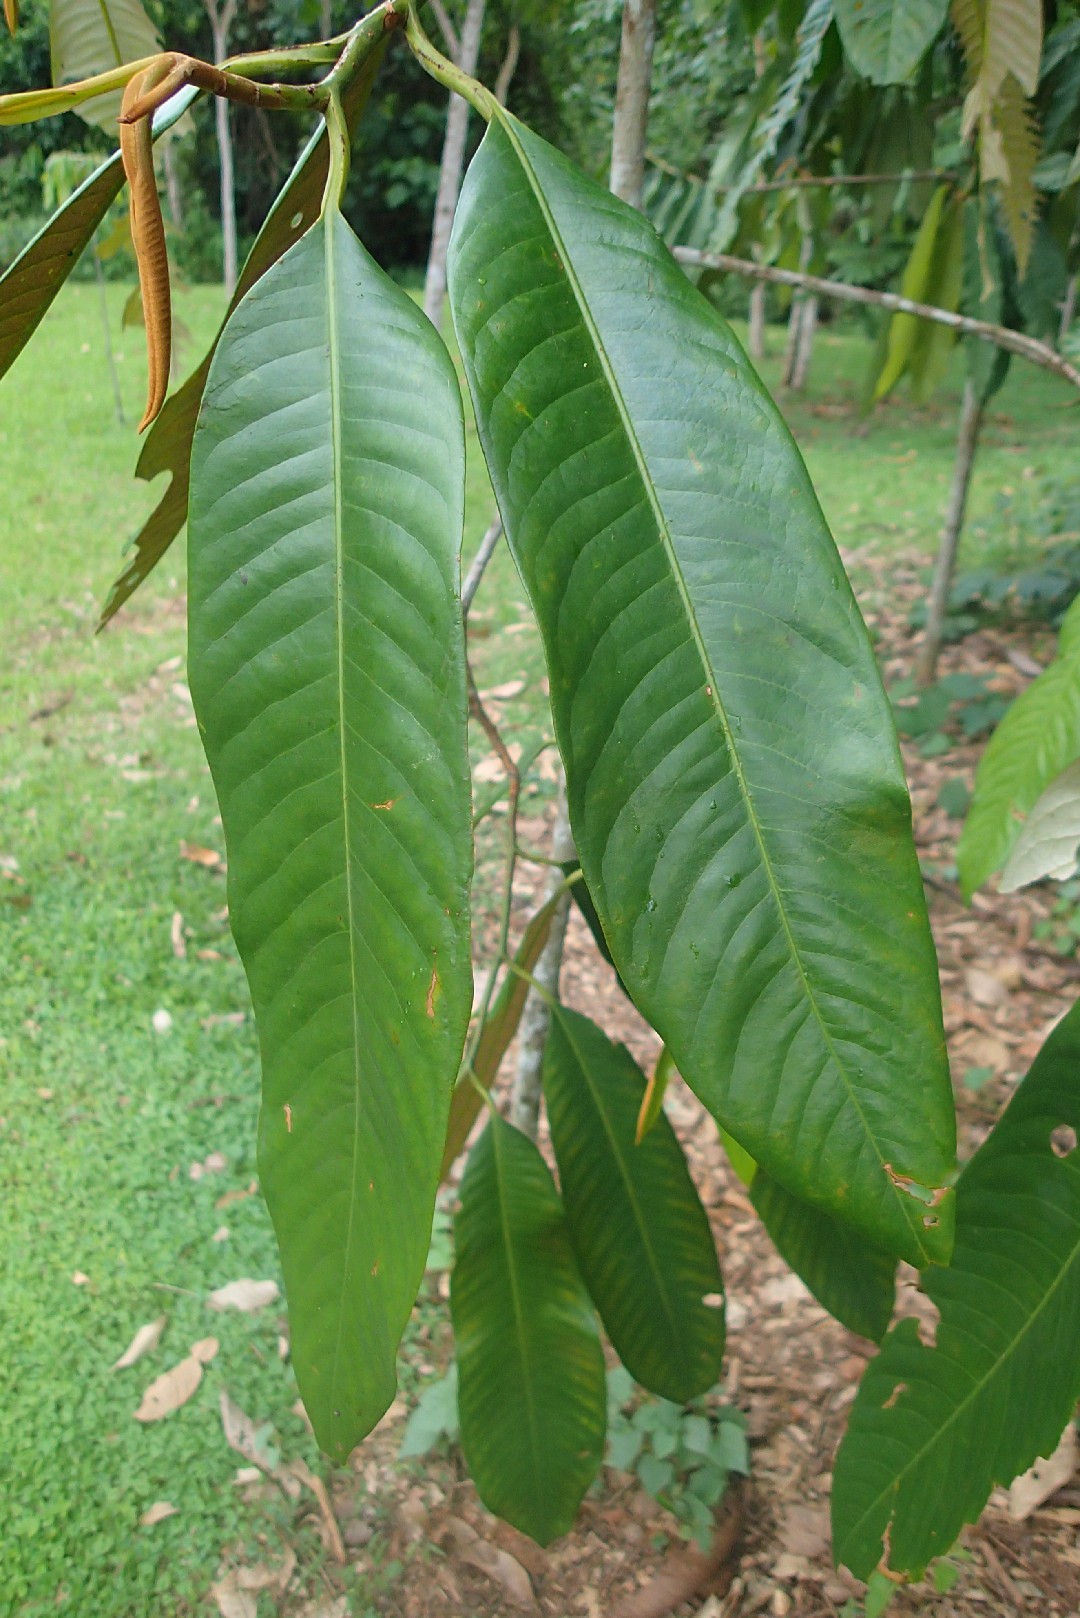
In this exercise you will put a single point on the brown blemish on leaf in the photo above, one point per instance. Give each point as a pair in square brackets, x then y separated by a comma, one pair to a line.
[389, 804]
[434, 990]
[288, 1118]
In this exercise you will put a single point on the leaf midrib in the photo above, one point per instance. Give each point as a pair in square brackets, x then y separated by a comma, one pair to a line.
[974, 1393]
[631, 1192]
[334, 357]
[713, 681]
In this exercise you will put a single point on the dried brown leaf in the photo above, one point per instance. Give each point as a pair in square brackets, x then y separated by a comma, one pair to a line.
[170, 1390]
[145, 1340]
[157, 1513]
[208, 857]
[246, 1295]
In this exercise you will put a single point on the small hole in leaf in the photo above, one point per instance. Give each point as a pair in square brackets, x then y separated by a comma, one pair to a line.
[296, 221]
[713, 1300]
[901, 1387]
[930, 1220]
[1063, 1140]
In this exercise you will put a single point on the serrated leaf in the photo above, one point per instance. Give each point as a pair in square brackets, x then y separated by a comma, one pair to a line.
[639, 1231]
[933, 1429]
[854, 1281]
[1038, 737]
[167, 446]
[886, 39]
[532, 1397]
[29, 284]
[92, 36]
[1049, 838]
[734, 785]
[326, 665]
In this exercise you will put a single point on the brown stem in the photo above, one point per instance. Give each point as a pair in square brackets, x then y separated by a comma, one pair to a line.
[1003, 336]
[180, 70]
[967, 440]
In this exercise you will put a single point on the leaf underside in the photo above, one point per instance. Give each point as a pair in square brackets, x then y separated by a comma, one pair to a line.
[326, 664]
[532, 1392]
[735, 787]
[1038, 737]
[640, 1233]
[933, 1429]
[886, 39]
[1049, 838]
[93, 36]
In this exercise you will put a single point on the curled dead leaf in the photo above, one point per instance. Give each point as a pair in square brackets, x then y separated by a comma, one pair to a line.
[170, 1390]
[145, 1340]
[148, 239]
[208, 857]
[246, 1295]
[157, 1513]
[205, 1349]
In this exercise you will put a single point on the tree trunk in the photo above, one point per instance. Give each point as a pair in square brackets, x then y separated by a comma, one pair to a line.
[967, 440]
[221, 21]
[1068, 309]
[756, 339]
[804, 345]
[453, 161]
[627, 172]
[173, 194]
[632, 100]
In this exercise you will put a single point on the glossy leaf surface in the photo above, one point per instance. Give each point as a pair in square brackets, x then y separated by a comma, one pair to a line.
[886, 39]
[326, 664]
[92, 36]
[167, 447]
[734, 783]
[532, 1393]
[641, 1236]
[933, 1429]
[1038, 737]
[855, 1282]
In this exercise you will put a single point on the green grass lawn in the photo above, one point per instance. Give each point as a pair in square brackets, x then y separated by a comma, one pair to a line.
[101, 1115]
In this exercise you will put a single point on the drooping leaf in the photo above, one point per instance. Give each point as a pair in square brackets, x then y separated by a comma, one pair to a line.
[734, 784]
[167, 447]
[92, 36]
[29, 284]
[934, 342]
[499, 1029]
[933, 1429]
[641, 1236]
[854, 1281]
[914, 284]
[1049, 838]
[532, 1397]
[326, 665]
[886, 39]
[1038, 737]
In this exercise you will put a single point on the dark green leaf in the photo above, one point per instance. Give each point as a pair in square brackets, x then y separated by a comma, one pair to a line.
[641, 1236]
[935, 1428]
[886, 39]
[734, 784]
[852, 1280]
[326, 664]
[531, 1390]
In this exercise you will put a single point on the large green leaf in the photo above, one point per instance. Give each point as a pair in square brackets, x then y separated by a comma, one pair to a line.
[167, 446]
[92, 36]
[1049, 838]
[641, 1236]
[326, 664]
[915, 284]
[29, 285]
[886, 39]
[734, 783]
[532, 1393]
[854, 1281]
[935, 1428]
[1038, 737]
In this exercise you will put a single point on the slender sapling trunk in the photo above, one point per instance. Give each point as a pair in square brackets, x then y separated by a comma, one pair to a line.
[756, 339]
[967, 440]
[450, 168]
[221, 21]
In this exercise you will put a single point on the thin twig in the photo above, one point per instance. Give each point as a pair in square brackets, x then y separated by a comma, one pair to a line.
[513, 782]
[827, 181]
[509, 64]
[1002, 336]
[479, 564]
